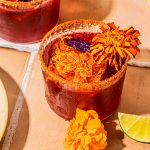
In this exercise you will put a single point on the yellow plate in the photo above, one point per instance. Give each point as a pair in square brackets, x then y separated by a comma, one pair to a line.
[3, 109]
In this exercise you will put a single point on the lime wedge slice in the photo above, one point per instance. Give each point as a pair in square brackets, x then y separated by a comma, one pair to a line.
[136, 127]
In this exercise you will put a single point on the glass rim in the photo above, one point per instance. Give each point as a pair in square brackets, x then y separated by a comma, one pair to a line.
[51, 75]
[21, 5]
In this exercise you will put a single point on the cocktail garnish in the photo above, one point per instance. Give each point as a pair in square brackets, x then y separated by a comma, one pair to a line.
[79, 44]
[86, 132]
[75, 65]
[114, 45]
[80, 61]
[136, 127]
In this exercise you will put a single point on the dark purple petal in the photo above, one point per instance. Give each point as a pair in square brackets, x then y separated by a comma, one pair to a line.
[79, 45]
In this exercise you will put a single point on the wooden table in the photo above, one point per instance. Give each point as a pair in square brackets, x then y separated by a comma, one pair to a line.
[32, 125]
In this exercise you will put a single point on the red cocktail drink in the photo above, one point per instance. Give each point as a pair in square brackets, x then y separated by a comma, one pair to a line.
[25, 21]
[69, 83]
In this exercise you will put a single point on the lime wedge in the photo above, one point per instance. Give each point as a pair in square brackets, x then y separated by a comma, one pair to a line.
[136, 127]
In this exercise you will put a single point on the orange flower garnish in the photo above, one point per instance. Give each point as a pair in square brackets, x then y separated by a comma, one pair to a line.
[74, 65]
[85, 62]
[86, 132]
[114, 45]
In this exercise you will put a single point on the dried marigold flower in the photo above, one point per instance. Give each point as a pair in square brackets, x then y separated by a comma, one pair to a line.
[86, 132]
[73, 64]
[114, 45]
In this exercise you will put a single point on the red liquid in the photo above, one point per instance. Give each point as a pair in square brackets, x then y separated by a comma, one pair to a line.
[23, 26]
[64, 99]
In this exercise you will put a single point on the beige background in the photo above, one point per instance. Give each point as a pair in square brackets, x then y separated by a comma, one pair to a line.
[39, 128]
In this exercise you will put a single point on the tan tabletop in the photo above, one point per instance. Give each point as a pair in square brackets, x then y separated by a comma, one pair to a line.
[32, 125]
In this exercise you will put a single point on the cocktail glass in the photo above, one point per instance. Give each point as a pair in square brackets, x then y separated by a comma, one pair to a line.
[27, 22]
[65, 96]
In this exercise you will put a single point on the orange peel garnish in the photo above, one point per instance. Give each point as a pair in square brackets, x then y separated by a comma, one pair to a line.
[86, 132]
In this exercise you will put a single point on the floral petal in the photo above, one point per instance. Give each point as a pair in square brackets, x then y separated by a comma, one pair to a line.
[118, 49]
[129, 54]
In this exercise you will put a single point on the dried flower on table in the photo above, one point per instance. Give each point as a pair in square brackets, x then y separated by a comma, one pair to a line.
[86, 132]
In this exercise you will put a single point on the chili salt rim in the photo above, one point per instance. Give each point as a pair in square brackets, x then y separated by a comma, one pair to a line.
[88, 86]
[21, 5]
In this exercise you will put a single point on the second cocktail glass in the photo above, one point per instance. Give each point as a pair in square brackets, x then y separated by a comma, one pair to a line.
[27, 21]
